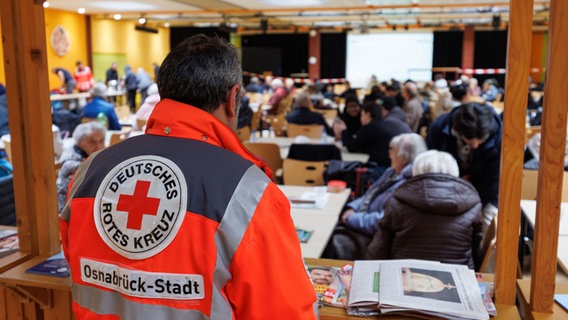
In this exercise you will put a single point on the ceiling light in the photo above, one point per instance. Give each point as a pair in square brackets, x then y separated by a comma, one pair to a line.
[81, 10]
[46, 4]
[117, 16]
[142, 20]
[167, 24]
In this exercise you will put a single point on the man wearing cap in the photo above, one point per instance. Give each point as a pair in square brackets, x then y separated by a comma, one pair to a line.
[99, 105]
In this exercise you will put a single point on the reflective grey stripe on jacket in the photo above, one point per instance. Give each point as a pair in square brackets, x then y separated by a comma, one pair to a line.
[228, 236]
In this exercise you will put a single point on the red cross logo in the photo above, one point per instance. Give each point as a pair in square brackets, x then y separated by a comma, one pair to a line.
[138, 204]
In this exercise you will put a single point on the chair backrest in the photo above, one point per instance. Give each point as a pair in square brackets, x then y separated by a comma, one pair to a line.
[285, 105]
[140, 123]
[327, 113]
[7, 205]
[269, 152]
[117, 137]
[303, 173]
[308, 130]
[243, 133]
[277, 123]
[487, 246]
[255, 119]
[529, 184]
[314, 152]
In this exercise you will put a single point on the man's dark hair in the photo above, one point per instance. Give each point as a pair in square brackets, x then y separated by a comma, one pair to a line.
[388, 103]
[458, 91]
[199, 72]
[473, 120]
[372, 108]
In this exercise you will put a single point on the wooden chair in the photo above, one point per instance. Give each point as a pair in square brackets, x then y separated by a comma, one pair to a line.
[309, 130]
[327, 113]
[488, 244]
[117, 137]
[529, 184]
[303, 173]
[277, 123]
[243, 133]
[140, 123]
[270, 153]
[255, 119]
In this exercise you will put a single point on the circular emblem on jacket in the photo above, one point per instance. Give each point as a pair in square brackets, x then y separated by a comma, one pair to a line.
[140, 206]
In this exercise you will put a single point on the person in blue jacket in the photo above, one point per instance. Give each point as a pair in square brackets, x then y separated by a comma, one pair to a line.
[99, 105]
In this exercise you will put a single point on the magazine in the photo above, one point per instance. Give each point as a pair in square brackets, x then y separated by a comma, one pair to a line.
[52, 266]
[330, 289]
[415, 287]
[8, 242]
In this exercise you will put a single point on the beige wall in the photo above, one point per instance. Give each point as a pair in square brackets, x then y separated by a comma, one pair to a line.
[141, 48]
[76, 27]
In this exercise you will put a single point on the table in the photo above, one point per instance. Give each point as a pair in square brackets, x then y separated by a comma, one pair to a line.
[321, 221]
[524, 293]
[80, 97]
[528, 208]
[504, 312]
[23, 290]
[285, 142]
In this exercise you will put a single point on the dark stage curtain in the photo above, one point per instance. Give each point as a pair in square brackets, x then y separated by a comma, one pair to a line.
[448, 51]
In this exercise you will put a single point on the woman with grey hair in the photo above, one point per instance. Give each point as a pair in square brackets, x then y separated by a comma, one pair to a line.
[89, 137]
[435, 215]
[362, 214]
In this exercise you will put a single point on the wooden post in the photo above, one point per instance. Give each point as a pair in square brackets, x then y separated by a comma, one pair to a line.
[468, 48]
[314, 42]
[29, 109]
[512, 150]
[553, 143]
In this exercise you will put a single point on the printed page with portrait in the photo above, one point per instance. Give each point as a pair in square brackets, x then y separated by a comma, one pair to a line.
[444, 290]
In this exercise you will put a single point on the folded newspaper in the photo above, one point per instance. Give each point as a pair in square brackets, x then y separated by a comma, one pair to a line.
[415, 287]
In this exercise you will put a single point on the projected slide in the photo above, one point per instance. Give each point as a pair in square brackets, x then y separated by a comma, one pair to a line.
[398, 55]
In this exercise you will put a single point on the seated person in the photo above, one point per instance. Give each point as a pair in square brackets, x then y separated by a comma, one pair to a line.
[351, 115]
[378, 127]
[348, 90]
[435, 215]
[489, 90]
[89, 137]
[363, 213]
[245, 113]
[254, 85]
[278, 93]
[99, 105]
[149, 103]
[302, 113]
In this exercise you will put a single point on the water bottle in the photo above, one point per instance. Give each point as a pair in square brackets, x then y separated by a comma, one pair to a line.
[102, 119]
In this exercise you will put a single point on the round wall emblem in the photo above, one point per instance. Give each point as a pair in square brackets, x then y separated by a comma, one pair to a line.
[60, 41]
[140, 205]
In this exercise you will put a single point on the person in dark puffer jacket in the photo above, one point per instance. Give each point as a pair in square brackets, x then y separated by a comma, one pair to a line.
[435, 215]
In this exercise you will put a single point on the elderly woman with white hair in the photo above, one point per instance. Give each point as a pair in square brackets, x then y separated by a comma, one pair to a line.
[89, 137]
[278, 93]
[435, 215]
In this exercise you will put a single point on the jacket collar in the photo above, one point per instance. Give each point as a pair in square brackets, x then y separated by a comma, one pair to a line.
[175, 119]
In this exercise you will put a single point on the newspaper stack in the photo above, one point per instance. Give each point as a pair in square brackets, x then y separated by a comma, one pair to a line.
[415, 287]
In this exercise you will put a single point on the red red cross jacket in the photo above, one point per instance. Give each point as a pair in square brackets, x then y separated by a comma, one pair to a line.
[182, 223]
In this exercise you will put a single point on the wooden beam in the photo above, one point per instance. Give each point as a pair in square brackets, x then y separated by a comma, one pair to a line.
[29, 110]
[553, 143]
[512, 150]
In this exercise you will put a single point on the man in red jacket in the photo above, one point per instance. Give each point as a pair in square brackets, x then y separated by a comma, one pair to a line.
[183, 222]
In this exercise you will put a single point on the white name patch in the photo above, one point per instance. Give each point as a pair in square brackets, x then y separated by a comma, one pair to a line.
[140, 206]
[143, 284]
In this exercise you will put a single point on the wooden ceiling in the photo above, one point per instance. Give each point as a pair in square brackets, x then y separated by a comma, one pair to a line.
[302, 15]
